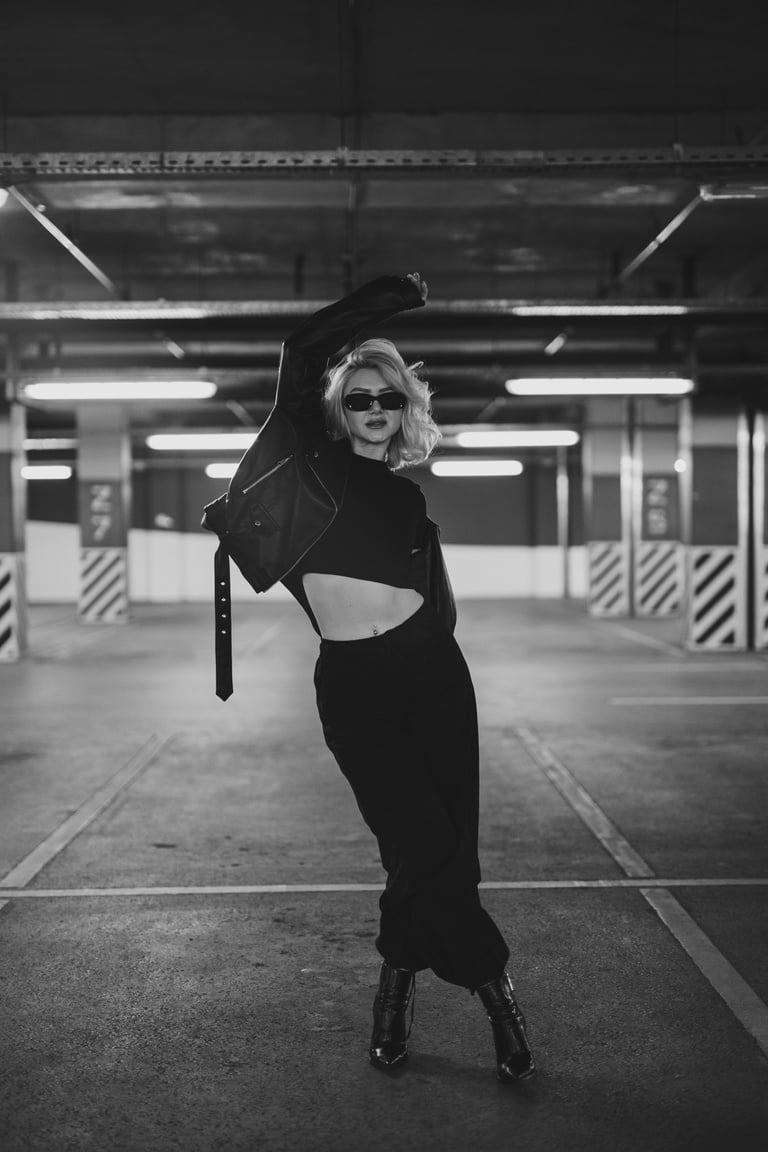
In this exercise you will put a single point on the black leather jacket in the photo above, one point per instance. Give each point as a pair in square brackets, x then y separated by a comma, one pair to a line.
[291, 481]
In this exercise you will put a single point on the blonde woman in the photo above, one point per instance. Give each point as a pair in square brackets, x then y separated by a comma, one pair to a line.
[348, 535]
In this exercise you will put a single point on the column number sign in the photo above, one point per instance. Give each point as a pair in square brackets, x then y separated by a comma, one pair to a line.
[660, 513]
[101, 515]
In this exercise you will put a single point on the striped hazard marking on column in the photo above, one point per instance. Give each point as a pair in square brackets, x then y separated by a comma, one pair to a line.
[608, 578]
[658, 578]
[13, 606]
[761, 598]
[717, 604]
[103, 585]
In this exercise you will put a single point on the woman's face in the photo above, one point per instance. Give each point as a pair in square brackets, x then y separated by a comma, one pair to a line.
[377, 425]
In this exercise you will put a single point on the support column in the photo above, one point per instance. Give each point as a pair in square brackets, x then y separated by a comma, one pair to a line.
[104, 473]
[13, 585]
[717, 556]
[760, 532]
[563, 526]
[607, 482]
[659, 569]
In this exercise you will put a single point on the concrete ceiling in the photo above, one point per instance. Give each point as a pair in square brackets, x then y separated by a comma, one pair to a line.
[283, 153]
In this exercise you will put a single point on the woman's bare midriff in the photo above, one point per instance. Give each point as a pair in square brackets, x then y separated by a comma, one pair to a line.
[350, 609]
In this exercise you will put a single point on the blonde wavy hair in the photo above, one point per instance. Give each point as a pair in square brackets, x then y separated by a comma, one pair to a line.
[418, 435]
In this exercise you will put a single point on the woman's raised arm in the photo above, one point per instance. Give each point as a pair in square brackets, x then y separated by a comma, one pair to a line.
[306, 351]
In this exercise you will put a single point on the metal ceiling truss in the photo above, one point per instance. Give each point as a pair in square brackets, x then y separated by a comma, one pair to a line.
[693, 163]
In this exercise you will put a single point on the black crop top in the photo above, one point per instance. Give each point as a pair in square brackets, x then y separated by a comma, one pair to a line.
[381, 521]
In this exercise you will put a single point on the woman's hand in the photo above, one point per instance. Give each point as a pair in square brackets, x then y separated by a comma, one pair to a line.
[416, 280]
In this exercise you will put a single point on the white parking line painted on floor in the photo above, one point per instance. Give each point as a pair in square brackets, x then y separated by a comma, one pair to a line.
[582, 803]
[684, 701]
[745, 1004]
[37, 859]
[282, 889]
[192, 890]
[714, 665]
[649, 641]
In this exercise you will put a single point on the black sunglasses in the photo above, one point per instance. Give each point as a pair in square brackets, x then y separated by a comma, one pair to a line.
[363, 401]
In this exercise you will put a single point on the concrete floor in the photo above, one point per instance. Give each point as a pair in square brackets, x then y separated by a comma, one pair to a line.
[152, 1000]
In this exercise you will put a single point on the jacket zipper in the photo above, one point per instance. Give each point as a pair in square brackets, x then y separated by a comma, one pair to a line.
[274, 468]
[335, 510]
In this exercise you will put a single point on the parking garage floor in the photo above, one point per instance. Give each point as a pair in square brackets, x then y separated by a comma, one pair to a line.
[189, 895]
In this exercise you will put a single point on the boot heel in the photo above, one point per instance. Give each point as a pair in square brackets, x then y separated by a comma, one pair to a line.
[389, 1048]
[514, 1058]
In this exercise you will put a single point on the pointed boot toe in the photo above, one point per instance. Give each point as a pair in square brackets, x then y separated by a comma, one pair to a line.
[388, 1056]
[514, 1058]
[389, 1040]
[517, 1067]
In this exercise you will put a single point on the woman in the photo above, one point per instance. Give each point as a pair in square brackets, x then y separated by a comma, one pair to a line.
[394, 693]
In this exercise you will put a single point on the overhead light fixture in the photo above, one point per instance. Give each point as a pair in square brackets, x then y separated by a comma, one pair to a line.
[46, 471]
[121, 390]
[521, 438]
[476, 468]
[200, 441]
[745, 191]
[555, 344]
[49, 444]
[220, 471]
[635, 309]
[600, 386]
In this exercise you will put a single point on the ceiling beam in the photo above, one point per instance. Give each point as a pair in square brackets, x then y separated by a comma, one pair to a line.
[688, 162]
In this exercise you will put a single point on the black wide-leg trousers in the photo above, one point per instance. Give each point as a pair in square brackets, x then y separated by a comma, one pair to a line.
[399, 715]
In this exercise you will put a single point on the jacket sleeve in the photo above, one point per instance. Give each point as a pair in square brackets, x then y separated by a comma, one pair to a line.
[305, 353]
[430, 575]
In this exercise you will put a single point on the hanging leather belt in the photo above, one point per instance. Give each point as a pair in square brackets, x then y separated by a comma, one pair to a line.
[223, 612]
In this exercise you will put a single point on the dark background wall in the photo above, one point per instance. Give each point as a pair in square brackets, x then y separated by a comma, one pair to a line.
[519, 510]
[715, 496]
[54, 500]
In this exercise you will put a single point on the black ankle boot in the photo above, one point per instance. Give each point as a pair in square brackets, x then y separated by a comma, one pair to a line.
[514, 1059]
[388, 1043]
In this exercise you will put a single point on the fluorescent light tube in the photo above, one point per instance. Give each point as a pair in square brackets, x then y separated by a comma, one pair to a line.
[748, 191]
[476, 468]
[522, 438]
[49, 443]
[600, 310]
[555, 344]
[46, 471]
[200, 441]
[220, 471]
[599, 386]
[121, 390]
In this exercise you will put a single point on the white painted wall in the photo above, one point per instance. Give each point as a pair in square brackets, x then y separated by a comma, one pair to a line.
[53, 562]
[173, 567]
